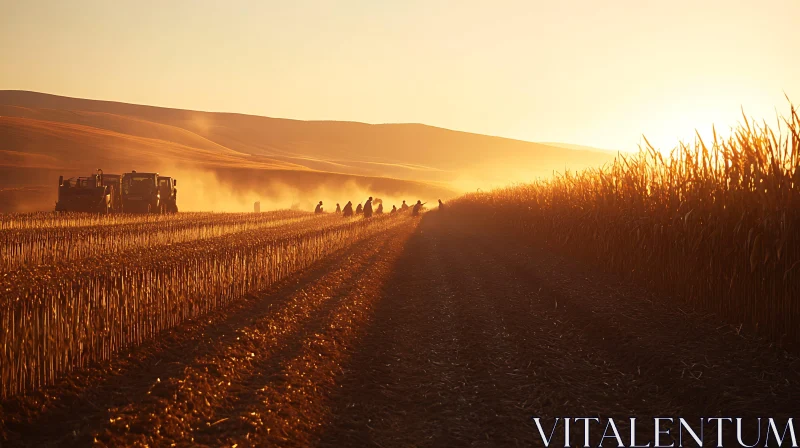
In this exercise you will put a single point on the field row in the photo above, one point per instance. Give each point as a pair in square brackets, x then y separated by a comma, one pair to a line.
[32, 247]
[47, 220]
[56, 318]
[24, 279]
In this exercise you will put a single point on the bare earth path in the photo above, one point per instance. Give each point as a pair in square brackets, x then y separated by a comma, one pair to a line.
[436, 334]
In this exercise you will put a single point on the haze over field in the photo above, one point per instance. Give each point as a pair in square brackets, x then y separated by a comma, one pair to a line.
[227, 161]
[584, 74]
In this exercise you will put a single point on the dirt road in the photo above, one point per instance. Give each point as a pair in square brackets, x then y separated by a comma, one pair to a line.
[438, 334]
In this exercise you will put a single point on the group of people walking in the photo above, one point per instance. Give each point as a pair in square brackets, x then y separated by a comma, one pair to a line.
[367, 209]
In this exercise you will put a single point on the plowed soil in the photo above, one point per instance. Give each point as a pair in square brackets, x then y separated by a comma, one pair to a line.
[441, 333]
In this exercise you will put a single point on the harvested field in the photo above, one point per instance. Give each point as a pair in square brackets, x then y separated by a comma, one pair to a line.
[88, 303]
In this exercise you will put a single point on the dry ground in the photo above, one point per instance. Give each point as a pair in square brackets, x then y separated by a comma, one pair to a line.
[438, 334]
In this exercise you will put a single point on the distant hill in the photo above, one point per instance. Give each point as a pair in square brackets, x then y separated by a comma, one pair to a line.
[274, 159]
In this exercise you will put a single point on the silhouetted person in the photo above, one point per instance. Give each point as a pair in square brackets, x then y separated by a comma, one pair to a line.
[368, 208]
[348, 210]
[404, 207]
[359, 209]
[441, 205]
[417, 208]
[319, 208]
[338, 209]
[394, 209]
[379, 210]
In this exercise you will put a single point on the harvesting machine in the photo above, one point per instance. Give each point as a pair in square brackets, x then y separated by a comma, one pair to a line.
[99, 193]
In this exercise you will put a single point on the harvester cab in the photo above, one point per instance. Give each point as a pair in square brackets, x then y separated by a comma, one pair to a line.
[169, 193]
[141, 193]
[84, 194]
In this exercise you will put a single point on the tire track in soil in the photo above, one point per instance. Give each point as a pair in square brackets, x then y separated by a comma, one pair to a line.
[285, 401]
[495, 413]
[269, 385]
[471, 363]
[295, 403]
[409, 358]
[684, 356]
[71, 411]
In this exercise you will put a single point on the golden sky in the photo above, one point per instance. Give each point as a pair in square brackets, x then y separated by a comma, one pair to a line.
[597, 73]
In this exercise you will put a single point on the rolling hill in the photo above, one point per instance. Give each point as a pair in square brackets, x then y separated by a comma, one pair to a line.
[228, 160]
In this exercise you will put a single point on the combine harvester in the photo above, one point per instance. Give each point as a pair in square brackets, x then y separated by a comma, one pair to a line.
[98, 193]
[111, 193]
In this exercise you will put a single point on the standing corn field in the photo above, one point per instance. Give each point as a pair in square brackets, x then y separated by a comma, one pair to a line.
[718, 225]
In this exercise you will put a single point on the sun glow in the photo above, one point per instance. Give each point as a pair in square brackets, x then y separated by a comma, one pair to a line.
[673, 128]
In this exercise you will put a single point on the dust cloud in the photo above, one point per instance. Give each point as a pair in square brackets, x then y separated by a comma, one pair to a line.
[206, 190]
[232, 189]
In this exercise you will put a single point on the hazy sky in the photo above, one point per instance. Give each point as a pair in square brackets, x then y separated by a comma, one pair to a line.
[590, 72]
